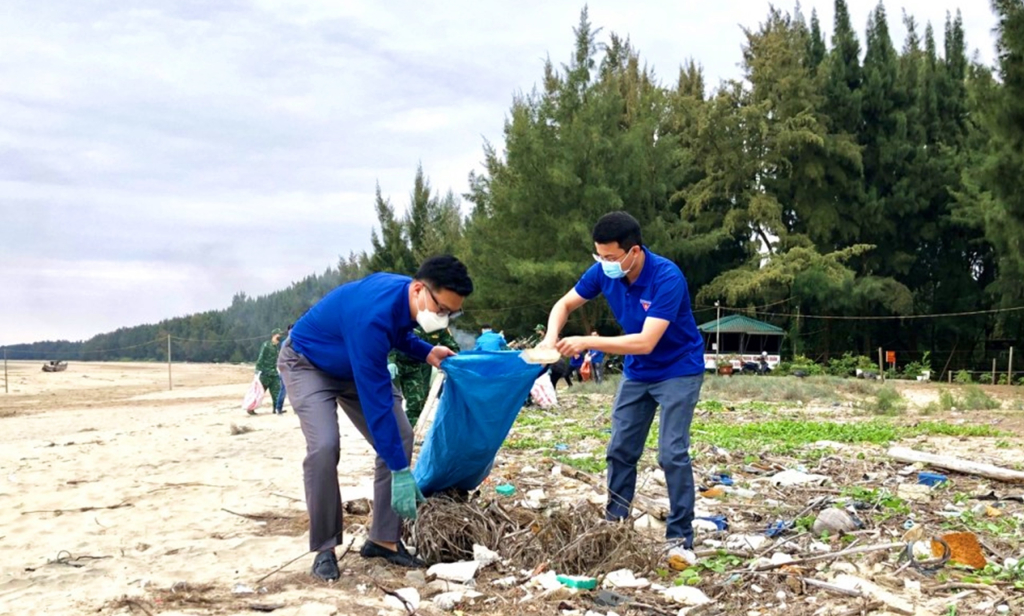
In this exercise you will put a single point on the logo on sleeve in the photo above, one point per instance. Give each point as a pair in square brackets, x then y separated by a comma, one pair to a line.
[645, 304]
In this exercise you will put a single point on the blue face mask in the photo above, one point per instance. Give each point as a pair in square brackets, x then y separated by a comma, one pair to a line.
[612, 269]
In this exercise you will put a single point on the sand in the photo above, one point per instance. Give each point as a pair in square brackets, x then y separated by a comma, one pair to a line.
[113, 487]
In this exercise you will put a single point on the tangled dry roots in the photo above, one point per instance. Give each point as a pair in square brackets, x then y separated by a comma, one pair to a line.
[572, 539]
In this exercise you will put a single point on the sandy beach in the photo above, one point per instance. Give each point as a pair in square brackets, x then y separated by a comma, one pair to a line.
[114, 488]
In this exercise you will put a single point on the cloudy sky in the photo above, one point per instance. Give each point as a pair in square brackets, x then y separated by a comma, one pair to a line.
[157, 156]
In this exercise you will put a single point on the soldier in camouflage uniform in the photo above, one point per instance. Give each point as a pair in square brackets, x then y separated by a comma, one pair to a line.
[266, 366]
[414, 376]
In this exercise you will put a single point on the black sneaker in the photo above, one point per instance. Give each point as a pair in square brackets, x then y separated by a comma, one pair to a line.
[401, 557]
[325, 567]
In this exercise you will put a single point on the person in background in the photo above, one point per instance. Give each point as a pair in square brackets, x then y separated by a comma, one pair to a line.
[279, 403]
[575, 363]
[596, 358]
[337, 354]
[413, 377]
[490, 340]
[266, 366]
[664, 367]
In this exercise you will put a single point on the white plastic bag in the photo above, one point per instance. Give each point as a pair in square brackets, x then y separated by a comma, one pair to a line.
[543, 392]
[254, 396]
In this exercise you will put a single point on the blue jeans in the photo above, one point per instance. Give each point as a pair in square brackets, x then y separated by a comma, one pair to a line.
[632, 414]
[279, 403]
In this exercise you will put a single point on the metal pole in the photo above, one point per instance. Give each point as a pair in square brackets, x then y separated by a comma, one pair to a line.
[881, 366]
[718, 333]
[1009, 370]
[7, 391]
[993, 370]
[169, 385]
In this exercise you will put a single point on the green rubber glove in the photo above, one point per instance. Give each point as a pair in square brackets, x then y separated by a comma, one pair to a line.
[405, 494]
[393, 369]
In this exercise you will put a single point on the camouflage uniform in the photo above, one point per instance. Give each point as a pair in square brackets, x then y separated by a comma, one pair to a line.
[266, 365]
[414, 376]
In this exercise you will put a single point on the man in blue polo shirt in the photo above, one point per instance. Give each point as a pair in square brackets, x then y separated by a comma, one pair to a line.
[490, 340]
[337, 354]
[664, 366]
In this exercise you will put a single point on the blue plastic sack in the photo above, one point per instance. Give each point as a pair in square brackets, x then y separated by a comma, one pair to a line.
[483, 392]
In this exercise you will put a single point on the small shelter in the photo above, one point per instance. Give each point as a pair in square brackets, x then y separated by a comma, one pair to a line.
[742, 340]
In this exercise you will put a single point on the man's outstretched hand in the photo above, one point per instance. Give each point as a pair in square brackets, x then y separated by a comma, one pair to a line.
[438, 354]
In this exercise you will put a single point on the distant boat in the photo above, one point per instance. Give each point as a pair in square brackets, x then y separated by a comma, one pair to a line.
[55, 366]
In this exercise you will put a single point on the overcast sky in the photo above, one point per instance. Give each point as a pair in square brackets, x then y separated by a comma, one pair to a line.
[158, 156]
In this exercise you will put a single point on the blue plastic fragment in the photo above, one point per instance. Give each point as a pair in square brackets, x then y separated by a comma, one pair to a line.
[777, 528]
[930, 479]
[718, 520]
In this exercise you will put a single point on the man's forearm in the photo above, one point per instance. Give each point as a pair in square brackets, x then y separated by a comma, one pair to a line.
[556, 320]
[629, 344]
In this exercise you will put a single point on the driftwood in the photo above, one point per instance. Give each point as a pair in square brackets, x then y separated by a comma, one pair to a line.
[650, 506]
[990, 471]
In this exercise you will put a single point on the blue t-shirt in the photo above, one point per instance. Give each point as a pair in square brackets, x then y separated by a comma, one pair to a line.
[491, 341]
[349, 333]
[596, 357]
[660, 292]
[576, 361]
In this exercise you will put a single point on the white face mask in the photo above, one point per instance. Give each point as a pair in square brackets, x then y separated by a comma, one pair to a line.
[430, 321]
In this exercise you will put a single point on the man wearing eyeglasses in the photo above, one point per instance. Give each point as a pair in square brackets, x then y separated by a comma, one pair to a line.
[337, 355]
[664, 367]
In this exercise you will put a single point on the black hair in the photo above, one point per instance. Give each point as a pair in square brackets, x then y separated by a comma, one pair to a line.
[618, 227]
[485, 326]
[446, 272]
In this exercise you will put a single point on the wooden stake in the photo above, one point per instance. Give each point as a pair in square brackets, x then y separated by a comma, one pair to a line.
[994, 371]
[170, 386]
[881, 366]
[7, 391]
[1009, 370]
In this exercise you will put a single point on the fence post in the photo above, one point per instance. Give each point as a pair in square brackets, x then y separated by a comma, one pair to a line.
[170, 386]
[6, 390]
[881, 366]
[993, 370]
[1009, 369]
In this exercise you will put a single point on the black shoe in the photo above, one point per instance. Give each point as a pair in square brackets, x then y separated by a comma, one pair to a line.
[251, 412]
[402, 557]
[325, 567]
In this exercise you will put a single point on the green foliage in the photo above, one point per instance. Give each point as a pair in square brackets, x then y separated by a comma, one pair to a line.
[888, 401]
[963, 377]
[848, 364]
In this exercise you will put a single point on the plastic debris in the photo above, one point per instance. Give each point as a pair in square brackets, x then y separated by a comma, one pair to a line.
[505, 489]
[777, 528]
[797, 478]
[722, 478]
[624, 578]
[926, 478]
[581, 582]
[746, 542]
[834, 521]
[720, 522]
[484, 556]
[460, 572]
[410, 595]
[964, 549]
[686, 595]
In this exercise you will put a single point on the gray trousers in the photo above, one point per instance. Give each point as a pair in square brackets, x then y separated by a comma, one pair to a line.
[632, 414]
[315, 397]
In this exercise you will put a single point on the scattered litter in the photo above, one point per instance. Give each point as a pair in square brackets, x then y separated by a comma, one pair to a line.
[914, 492]
[746, 542]
[712, 523]
[460, 572]
[797, 478]
[484, 556]
[242, 589]
[581, 582]
[930, 479]
[833, 521]
[777, 528]
[624, 578]
[505, 582]
[964, 549]
[410, 595]
[447, 601]
[686, 595]
[505, 489]
[722, 478]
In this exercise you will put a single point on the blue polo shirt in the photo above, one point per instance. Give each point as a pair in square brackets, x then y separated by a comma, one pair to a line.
[491, 341]
[660, 292]
[596, 357]
[349, 333]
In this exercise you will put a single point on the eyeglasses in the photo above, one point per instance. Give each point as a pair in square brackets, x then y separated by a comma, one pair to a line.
[441, 310]
[601, 259]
